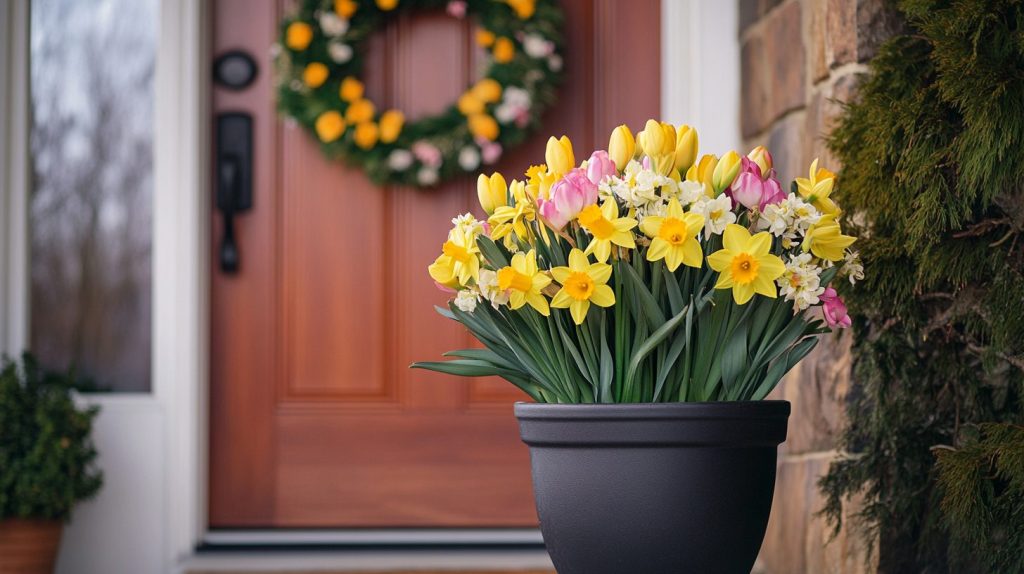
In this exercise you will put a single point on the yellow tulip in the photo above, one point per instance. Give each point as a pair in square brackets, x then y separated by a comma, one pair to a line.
[702, 171]
[366, 135]
[315, 74]
[298, 36]
[762, 158]
[658, 141]
[491, 191]
[345, 8]
[360, 111]
[387, 5]
[468, 104]
[483, 126]
[558, 156]
[329, 126]
[391, 123]
[351, 89]
[725, 171]
[487, 90]
[621, 146]
[686, 148]
[504, 50]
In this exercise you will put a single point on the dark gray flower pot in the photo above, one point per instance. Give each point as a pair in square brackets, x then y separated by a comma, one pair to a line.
[653, 488]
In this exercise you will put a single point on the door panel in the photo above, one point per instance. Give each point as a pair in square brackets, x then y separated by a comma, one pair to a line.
[315, 419]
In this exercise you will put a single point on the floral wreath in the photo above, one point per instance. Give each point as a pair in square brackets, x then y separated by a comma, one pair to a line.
[320, 63]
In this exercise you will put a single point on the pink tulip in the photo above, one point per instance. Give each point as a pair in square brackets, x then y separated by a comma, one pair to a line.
[600, 166]
[752, 189]
[834, 310]
[569, 196]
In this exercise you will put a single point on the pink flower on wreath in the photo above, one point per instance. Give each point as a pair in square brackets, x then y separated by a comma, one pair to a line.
[751, 189]
[569, 196]
[427, 153]
[834, 310]
[600, 166]
[490, 152]
[456, 9]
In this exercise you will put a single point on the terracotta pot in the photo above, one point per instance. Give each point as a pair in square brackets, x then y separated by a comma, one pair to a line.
[29, 546]
[653, 488]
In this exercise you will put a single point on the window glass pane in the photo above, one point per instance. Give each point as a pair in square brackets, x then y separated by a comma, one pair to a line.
[92, 64]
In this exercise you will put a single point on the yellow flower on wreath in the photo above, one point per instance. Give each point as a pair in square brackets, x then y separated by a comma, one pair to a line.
[459, 261]
[387, 5]
[817, 188]
[483, 126]
[504, 50]
[391, 123]
[524, 282]
[366, 135]
[360, 111]
[469, 104]
[674, 237]
[329, 126]
[583, 283]
[825, 239]
[607, 228]
[345, 8]
[484, 37]
[513, 218]
[315, 74]
[487, 90]
[351, 89]
[746, 264]
[524, 9]
[298, 36]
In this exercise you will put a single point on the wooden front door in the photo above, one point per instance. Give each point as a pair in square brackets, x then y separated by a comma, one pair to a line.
[315, 418]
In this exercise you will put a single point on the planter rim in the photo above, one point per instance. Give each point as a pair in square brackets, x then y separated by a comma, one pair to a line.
[766, 409]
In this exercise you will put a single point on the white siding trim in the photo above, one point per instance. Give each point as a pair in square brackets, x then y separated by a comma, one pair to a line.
[14, 176]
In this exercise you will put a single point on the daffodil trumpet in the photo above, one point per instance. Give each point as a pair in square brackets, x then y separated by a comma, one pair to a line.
[644, 273]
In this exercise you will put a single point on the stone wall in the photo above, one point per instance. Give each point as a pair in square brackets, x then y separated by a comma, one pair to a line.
[799, 58]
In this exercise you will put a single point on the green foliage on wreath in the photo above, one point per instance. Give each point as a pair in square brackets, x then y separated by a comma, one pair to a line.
[933, 156]
[47, 458]
[323, 44]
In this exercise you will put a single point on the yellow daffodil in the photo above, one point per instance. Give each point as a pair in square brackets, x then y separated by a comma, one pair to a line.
[345, 8]
[686, 148]
[491, 191]
[702, 172]
[483, 126]
[524, 282]
[539, 181]
[582, 283]
[817, 188]
[621, 146]
[513, 218]
[825, 239]
[487, 90]
[315, 74]
[558, 156]
[746, 264]
[658, 141]
[298, 36]
[484, 37]
[674, 237]
[607, 228]
[360, 111]
[725, 171]
[366, 135]
[351, 89]
[523, 8]
[387, 5]
[459, 260]
[504, 50]
[329, 126]
[391, 123]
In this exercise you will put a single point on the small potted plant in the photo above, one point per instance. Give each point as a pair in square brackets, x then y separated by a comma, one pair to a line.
[648, 301]
[46, 463]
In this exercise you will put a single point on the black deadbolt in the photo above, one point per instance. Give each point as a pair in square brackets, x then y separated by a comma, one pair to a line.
[234, 70]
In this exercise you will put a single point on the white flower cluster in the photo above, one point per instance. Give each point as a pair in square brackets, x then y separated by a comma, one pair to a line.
[801, 282]
[468, 225]
[852, 268]
[334, 27]
[789, 219]
[717, 213]
[488, 286]
[515, 105]
[639, 187]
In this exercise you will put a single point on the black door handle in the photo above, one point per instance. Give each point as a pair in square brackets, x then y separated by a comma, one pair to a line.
[234, 180]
